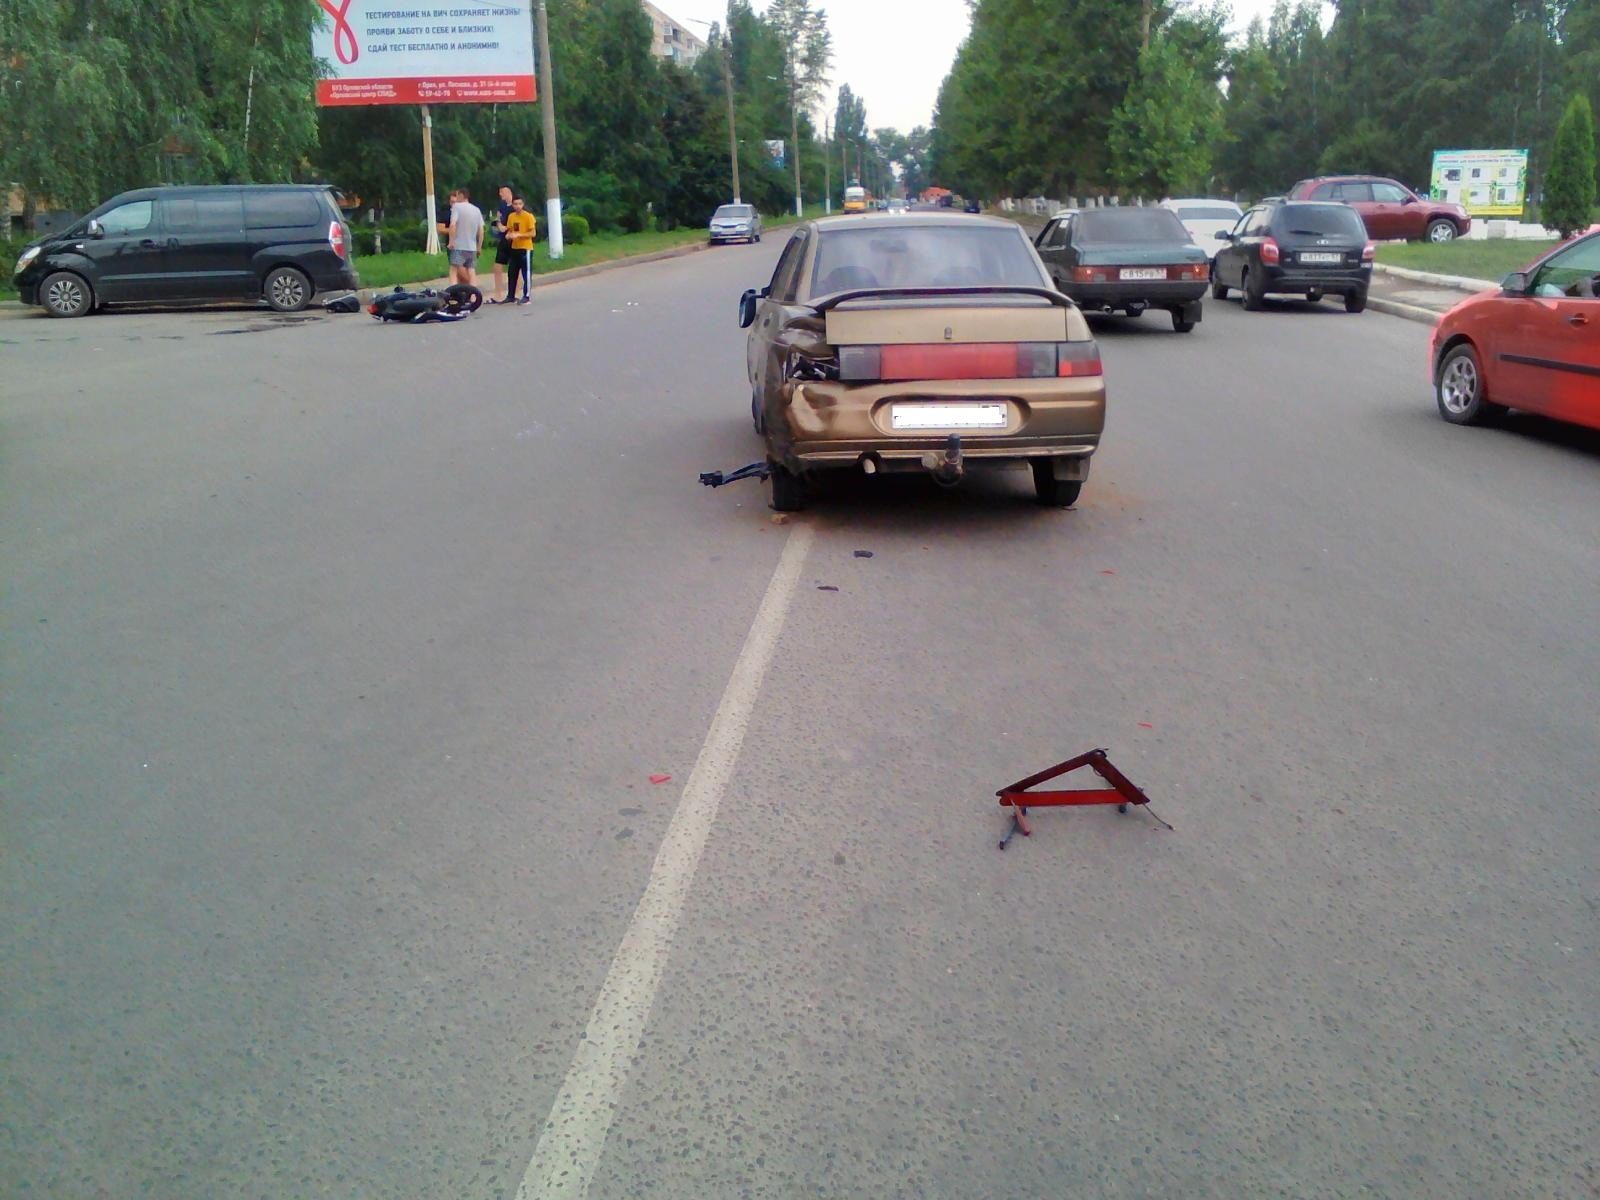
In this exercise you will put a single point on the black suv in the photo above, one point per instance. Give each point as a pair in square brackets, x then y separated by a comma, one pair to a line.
[1291, 246]
[278, 243]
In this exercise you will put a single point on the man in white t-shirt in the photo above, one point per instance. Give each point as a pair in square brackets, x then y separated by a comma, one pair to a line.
[466, 237]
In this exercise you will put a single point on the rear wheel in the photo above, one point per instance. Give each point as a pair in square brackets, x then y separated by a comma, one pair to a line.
[65, 295]
[1459, 389]
[1255, 291]
[1050, 491]
[287, 289]
[1355, 302]
[788, 490]
[758, 416]
[1441, 230]
[1179, 323]
[1219, 290]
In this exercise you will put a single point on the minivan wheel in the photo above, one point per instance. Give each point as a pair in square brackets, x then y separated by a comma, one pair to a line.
[1050, 491]
[1441, 230]
[65, 295]
[1458, 387]
[788, 490]
[287, 289]
[1255, 292]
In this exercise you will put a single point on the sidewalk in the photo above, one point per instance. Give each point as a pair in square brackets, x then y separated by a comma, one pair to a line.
[1417, 296]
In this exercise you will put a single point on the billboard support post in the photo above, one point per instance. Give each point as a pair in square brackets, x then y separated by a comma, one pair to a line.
[432, 244]
[547, 101]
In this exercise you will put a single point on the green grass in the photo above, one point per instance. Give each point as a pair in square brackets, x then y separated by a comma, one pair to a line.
[1474, 260]
[386, 270]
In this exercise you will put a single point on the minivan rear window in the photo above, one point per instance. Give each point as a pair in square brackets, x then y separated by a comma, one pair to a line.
[1320, 220]
[271, 210]
[1129, 225]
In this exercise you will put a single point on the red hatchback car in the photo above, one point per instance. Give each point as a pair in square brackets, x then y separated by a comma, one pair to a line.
[1388, 209]
[1534, 344]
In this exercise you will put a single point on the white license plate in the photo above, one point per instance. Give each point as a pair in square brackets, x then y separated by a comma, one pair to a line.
[947, 416]
[1143, 273]
[1316, 256]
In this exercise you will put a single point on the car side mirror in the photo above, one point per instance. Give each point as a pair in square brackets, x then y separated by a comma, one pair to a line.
[95, 230]
[1409, 200]
[747, 308]
[1224, 235]
[1514, 284]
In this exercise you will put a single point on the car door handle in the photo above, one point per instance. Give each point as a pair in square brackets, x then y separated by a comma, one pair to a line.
[147, 243]
[1577, 319]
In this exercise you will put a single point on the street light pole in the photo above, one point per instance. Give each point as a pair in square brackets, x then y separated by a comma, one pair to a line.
[547, 101]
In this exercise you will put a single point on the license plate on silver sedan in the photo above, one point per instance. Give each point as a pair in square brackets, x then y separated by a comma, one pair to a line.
[1318, 256]
[1143, 273]
[947, 416]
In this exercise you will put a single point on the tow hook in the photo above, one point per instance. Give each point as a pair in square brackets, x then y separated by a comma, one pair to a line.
[947, 468]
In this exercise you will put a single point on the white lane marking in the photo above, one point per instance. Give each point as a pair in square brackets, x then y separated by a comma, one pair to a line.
[575, 1134]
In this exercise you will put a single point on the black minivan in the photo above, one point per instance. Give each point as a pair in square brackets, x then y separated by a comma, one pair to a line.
[282, 243]
[1289, 246]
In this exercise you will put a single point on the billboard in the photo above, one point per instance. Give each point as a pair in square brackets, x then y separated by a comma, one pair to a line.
[775, 151]
[1487, 183]
[401, 52]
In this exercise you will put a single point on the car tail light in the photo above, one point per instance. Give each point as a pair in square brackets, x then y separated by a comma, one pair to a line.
[968, 360]
[1369, 252]
[1089, 275]
[1190, 271]
[1270, 253]
[336, 237]
[1075, 359]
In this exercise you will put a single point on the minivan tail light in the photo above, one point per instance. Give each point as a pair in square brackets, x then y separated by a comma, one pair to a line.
[1270, 253]
[336, 237]
[1369, 252]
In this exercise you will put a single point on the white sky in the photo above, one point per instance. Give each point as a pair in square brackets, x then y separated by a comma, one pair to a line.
[894, 53]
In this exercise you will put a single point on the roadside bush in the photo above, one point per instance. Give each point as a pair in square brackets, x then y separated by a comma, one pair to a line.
[1569, 187]
[574, 228]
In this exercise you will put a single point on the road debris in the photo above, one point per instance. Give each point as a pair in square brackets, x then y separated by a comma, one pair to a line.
[863, 553]
[659, 778]
[1019, 799]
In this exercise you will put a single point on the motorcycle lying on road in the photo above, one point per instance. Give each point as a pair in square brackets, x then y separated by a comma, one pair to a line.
[454, 303]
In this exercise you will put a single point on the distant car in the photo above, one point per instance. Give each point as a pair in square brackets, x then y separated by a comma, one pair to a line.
[1204, 219]
[897, 206]
[1389, 208]
[973, 206]
[282, 243]
[735, 223]
[1126, 260]
[1286, 246]
[1534, 344]
[925, 342]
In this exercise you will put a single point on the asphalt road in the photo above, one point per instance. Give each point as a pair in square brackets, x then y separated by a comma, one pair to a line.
[337, 659]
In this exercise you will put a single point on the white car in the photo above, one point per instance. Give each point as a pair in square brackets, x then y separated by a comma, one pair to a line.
[1204, 219]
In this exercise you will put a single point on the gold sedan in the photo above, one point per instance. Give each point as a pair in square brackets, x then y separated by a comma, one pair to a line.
[923, 342]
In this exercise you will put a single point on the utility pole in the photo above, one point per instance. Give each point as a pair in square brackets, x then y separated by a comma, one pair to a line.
[431, 245]
[547, 101]
[794, 130]
[827, 170]
[733, 137]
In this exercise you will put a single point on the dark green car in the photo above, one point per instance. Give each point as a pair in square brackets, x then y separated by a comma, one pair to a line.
[1126, 260]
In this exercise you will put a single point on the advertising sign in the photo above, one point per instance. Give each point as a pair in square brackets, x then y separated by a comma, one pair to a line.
[1487, 183]
[775, 152]
[401, 52]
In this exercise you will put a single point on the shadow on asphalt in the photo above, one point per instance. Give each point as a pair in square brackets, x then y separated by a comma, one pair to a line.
[1524, 425]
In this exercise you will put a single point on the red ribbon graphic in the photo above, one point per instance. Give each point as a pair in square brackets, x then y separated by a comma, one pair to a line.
[344, 38]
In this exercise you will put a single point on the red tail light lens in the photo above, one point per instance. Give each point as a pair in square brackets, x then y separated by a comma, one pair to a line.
[1190, 271]
[1074, 359]
[1090, 275]
[1369, 252]
[336, 237]
[968, 360]
[1270, 252]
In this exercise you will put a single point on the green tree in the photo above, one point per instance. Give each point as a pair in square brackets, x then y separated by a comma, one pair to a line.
[807, 53]
[1569, 185]
[1163, 133]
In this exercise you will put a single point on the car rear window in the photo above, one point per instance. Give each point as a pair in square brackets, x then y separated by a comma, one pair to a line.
[1321, 220]
[926, 256]
[272, 210]
[1129, 225]
[1207, 212]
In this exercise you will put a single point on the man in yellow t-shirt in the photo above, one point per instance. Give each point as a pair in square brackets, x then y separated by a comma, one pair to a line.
[520, 230]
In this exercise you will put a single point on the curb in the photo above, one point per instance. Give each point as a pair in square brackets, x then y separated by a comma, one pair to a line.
[610, 264]
[1409, 311]
[1459, 282]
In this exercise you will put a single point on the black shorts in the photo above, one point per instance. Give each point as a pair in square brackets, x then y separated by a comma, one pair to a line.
[502, 252]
